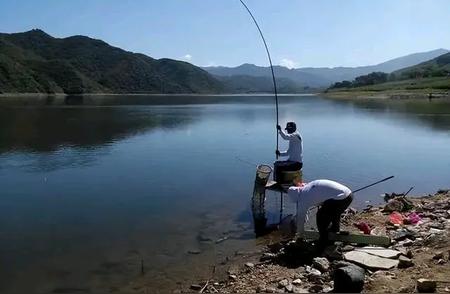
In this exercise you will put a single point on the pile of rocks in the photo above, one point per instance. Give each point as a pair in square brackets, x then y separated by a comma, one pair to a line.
[294, 267]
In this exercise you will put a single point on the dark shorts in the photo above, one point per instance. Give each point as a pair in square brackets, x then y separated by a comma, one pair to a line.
[328, 216]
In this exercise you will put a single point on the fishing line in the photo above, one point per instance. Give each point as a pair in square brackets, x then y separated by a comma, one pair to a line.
[270, 62]
[245, 161]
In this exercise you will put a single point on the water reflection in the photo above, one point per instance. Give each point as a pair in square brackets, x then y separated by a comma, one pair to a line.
[48, 129]
[434, 113]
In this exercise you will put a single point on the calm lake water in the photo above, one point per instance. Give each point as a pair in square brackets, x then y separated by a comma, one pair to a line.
[92, 188]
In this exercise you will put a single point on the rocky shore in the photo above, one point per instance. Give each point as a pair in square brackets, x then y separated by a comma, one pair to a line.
[416, 261]
[388, 94]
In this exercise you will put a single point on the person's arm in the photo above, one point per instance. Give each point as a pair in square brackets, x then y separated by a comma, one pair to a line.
[285, 135]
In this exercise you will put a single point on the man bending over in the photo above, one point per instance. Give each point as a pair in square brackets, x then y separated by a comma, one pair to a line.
[332, 198]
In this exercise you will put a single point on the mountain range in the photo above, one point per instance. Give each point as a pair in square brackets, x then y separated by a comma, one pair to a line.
[436, 67]
[324, 76]
[35, 62]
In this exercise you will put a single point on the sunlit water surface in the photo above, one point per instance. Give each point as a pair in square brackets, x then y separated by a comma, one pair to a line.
[92, 188]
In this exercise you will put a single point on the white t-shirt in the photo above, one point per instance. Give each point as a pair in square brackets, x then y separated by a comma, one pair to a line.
[295, 150]
[313, 194]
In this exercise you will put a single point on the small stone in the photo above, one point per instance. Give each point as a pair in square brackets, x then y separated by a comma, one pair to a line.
[316, 289]
[401, 235]
[300, 290]
[405, 290]
[232, 277]
[426, 286]
[267, 256]
[438, 256]
[196, 287]
[271, 290]
[249, 265]
[283, 283]
[404, 262]
[260, 289]
[312, 271]
[289, 288]
[347, 248]
[349, 279]
[194, 251]
[393, 205]
[298, 276]
[333, 253]
[441, 261]
[409, 254]
[296, 282]
[321, 263]
[407, 242]
[233, 270]
[402, 250]
[435, 231]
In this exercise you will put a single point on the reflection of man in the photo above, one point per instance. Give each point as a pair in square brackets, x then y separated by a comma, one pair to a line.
[294, 152]
[333, 199]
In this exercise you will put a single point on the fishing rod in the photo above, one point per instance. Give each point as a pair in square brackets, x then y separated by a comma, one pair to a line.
[365, 187]
[270, 62]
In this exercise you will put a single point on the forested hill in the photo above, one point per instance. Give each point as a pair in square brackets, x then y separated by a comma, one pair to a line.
[437, 67]
[35, 62]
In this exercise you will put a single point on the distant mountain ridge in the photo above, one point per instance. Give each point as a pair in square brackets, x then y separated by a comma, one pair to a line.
[36, 62]
[436, 67]
[323, 76]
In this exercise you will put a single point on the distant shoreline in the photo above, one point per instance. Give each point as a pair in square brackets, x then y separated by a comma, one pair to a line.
[393, 95]
[43, 95]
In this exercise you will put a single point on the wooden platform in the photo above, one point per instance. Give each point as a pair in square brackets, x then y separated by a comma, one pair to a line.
[351, 238]
[274, 186]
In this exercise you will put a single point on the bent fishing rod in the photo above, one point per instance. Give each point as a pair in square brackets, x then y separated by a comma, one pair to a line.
[270, 62]
[373, 184]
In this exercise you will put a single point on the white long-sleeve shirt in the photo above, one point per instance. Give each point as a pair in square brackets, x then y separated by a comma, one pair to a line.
[313, 194]
[295, 150]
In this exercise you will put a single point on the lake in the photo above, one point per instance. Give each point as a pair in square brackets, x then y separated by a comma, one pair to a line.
[97, 190]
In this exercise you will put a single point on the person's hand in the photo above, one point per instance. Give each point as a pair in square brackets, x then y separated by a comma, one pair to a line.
[279, 127]
[277, 152]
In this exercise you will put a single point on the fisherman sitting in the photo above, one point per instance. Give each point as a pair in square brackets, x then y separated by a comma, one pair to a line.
[332, 198]
[294, 152]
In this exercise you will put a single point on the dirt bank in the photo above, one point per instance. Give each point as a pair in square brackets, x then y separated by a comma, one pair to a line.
[420, 248]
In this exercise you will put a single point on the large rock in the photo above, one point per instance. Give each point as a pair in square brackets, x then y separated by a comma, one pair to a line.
[381, 252]
[370, 261]
[426, 286]
[348, 279]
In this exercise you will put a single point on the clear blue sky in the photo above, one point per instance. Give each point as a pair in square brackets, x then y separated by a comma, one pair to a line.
[220, 32]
